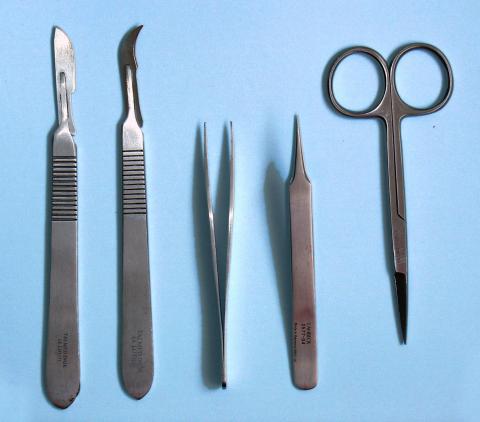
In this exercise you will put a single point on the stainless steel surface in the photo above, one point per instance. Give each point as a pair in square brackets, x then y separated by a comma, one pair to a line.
[62, 374]
[303, 274]
[64, 65]
[128, 59]
[392, 109]
[137, 341]
[221, 304]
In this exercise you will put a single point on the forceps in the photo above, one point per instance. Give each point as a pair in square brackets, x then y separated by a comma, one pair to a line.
[303, 273]
[392, 109]
[62, 372]
[221, 304]
[137, 341]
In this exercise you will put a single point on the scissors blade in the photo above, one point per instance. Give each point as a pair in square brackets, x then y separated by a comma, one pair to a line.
[398, 219]
[303, 277]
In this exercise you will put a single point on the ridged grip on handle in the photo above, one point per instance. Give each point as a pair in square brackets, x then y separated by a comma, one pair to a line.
[133, 178]
[62, 359]
[137, 342]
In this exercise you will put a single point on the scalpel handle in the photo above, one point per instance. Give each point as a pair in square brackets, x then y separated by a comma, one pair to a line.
[304, 340]
[62, 375]
[137, 343]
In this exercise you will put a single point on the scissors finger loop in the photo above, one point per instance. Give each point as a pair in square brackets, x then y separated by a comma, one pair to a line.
[407, 109]
[372, 112]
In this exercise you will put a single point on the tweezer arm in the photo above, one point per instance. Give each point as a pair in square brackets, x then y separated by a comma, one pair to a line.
[222, 314]
[62, 375]
[137, 342]
[303, 287]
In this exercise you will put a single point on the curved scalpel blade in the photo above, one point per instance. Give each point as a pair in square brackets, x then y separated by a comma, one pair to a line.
[127, 58]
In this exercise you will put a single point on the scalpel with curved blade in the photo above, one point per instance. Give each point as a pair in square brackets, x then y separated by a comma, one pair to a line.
[137, 342]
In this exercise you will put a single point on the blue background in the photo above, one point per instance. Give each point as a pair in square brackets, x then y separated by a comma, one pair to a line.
[256, 63]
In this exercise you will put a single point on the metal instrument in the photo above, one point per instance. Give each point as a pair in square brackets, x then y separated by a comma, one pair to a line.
[221, 302]
[392, 109]
[137, 342]
[303, 273]
[62, 374]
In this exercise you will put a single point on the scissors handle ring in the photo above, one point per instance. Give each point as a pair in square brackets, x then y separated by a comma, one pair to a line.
[376, 109]
[407, 110]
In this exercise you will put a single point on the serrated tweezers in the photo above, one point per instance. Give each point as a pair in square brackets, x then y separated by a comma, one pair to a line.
[221, 302]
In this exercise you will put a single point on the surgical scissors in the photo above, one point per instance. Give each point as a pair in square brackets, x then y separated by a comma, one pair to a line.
[392, 109]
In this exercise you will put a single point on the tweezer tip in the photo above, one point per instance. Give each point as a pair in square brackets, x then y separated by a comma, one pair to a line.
[299, 165]
[404, 332]
[224, 385]
[402, 303]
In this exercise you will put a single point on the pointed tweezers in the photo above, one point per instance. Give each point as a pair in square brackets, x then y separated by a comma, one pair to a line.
[62, 364]
[215, 262]
[303, 275]
[137, 338]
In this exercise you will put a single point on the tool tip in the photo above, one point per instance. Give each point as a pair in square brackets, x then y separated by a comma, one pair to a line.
[66, 398]
[127, 49]
[402, 303]
[224, 385]
[61, 38]
[58, 30]
[297, 130]
[138, 392]
[299, 165]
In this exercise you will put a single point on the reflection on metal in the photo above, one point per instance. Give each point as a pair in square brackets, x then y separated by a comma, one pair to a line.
[392, 109]
[221, 304]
